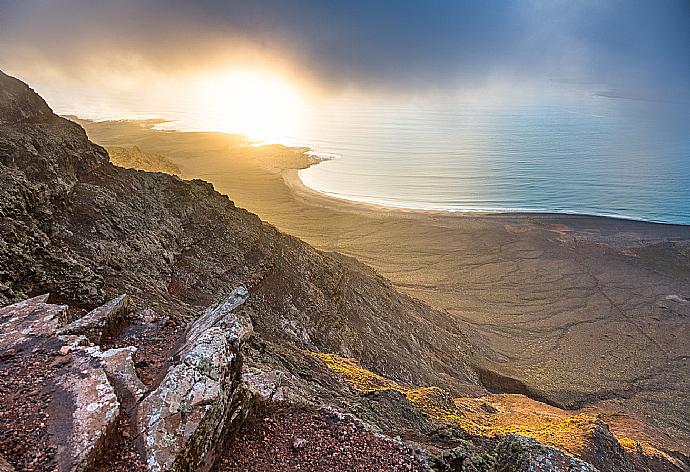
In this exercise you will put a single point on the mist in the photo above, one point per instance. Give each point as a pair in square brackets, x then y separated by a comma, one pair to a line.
[632, 49]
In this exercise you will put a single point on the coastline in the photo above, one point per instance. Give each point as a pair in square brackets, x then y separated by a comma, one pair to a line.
[574, 307]
[295, 182]
[644, 228]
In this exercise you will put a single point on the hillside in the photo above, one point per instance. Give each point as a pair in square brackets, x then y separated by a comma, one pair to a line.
[135, 158]
[187, 315]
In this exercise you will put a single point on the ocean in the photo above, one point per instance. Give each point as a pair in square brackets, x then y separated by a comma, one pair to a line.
[592, 155]
[598, 156]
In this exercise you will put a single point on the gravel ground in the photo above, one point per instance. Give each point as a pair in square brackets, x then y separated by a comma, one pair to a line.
[299, 440]
[24, 394]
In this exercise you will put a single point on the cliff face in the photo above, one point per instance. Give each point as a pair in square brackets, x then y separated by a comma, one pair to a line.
[82, 229]
[180, 376]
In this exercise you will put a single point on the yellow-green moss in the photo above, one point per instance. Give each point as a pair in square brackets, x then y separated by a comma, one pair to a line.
[568, 434]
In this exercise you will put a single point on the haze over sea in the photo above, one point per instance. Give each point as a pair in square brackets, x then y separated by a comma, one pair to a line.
[561, 106]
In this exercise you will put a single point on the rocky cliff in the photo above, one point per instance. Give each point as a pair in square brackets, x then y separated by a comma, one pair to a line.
[224, 318]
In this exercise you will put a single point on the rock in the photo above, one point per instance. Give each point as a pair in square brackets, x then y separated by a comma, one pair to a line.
[28, 319]
[80, 397]
[603, 450]
[19, 103]
[517, 453]
[118, 364]
[99, 323]
[299, 444]
[267, 385]
[465, 457]
[85, 410]
[184, 420]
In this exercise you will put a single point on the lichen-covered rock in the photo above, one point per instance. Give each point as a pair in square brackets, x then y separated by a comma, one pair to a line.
[28, 319]
[604, 451]
[88, 410]
[99, 322]
[118, 364]
[266, 384]
[182, 422]
[517, 453]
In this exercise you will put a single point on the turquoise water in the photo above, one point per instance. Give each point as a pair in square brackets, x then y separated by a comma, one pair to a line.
[597, 156]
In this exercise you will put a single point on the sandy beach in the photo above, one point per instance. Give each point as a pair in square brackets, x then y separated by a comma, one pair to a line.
[576, 310]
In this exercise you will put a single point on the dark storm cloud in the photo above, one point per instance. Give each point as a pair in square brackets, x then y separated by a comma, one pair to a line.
[627, 46]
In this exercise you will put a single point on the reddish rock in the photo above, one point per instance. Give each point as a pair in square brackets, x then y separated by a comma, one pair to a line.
[99, 323]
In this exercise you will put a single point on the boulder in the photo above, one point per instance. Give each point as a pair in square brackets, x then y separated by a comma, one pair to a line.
[267, 385]
[100, 322]
[80, 395]
[184, 420]
[517, 453]
[118, 365]
[86, 411]
[28, 319]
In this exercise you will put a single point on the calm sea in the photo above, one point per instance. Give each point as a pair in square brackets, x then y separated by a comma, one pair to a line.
[593, 155]
[599, 156]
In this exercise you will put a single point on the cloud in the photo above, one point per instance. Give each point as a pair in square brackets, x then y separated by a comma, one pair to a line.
[633, 47]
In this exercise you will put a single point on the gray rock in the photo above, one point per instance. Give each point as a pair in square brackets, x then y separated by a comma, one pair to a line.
[517, 453]
[118, 364]
[99, 322]
[29, 318]
[88, 411]
[184, 420]
[265, 384]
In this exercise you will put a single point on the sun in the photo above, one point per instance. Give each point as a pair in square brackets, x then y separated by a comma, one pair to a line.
[263, 106]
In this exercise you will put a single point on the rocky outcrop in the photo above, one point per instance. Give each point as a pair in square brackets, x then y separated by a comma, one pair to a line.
[20, 104]
[82, 387]
[42, 157]
[172, 382]
[78, 392]
[28, 321]
[100, 322]
[521, 454]
[514, 453]
[183, 421]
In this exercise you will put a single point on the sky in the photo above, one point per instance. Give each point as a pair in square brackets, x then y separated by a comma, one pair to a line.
[631, 48]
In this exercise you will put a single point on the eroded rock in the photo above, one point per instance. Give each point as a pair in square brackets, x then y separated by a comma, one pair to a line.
[517, 453]
[185, 418]
[99, 322]
[28, 319]
[118, 364]
[266, 384]
[86, 410]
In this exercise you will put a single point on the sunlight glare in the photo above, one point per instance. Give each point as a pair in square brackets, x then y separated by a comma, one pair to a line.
[263, 106]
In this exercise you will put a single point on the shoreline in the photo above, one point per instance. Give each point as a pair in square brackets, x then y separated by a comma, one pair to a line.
[294, 182]
[297, 186]
[572, 307]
